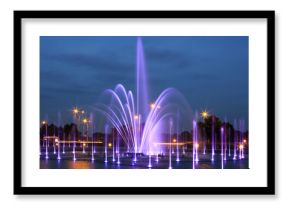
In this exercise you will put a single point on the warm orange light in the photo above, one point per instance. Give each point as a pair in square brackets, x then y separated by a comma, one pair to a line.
[110, 144]
[84, 144]
[85, 121]
[204, 114]
[241, 146]
[196, 145]
[245, 141]
[43, 122]
[174, 140]
[56, 140]
[75, 110]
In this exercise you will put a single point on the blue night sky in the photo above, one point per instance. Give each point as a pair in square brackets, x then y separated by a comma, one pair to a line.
[211, 72]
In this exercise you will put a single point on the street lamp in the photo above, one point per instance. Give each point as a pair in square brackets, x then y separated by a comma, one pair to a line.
[204, 114]
[86, 122]
[75, 110]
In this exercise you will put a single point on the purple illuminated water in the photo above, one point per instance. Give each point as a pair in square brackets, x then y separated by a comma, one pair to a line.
[177, 137]
[235, 140]
[74, 143]
[46, 144]
[222, 147]
[212, 140]
[143, 126]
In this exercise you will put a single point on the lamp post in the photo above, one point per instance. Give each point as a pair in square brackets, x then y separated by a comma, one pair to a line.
[86, 122]
[204, 115]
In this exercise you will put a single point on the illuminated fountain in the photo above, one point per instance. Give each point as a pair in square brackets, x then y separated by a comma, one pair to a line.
[140, 124]
[145, 132]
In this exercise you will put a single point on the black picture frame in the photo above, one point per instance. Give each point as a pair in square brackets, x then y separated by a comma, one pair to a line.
[269, 189]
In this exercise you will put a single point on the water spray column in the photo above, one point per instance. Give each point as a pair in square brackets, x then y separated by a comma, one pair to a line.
[235, 140]
[177, 140]
[137, 131]
[177, 149]
[84, 150]
[204, 141]
[58, 141]
[240, 141]
[242, 131]
[92, 141]
[196, 142]
[212, 140]
[183, 146]
[63, 144]
[157, 160]
[225, 140]
[170, 132]
[54, 151]
[229, 135]
[149, 157]
[113, 142]
[142, 100]
[222, 147]
[74, 144]
[46, 144]
[118, 149]
[58, 146]
[193, 143]
[106, 143]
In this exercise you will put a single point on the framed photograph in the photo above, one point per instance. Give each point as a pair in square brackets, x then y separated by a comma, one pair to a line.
[144, 102]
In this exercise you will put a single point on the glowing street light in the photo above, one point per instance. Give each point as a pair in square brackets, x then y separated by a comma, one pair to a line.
[86, 121]
[204, 114]
[43, 122]
[75, 110]
[174, 140]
